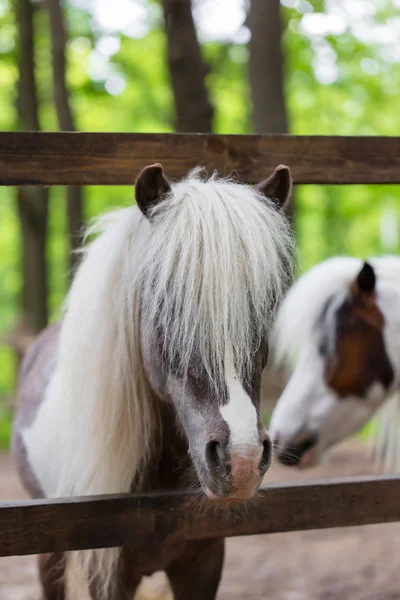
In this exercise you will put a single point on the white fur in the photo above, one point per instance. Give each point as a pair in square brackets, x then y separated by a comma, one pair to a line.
[306, 400]
[212, 249]
[239, 413]
[41, 441]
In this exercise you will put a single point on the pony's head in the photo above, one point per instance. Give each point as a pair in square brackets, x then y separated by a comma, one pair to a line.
[341, 319]
[216, 260]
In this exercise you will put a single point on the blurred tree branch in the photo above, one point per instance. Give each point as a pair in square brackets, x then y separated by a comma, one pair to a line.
[194, 112]
[32, 201]
[65, 120]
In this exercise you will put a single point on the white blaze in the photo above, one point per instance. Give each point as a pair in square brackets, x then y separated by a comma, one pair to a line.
[239, 413]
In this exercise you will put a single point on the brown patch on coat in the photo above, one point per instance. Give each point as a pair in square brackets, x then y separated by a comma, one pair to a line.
[360, 357]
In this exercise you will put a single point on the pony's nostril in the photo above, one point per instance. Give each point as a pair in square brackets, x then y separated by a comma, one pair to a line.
[298, 448]
[266, 455]
[309, 442]
[213, 453]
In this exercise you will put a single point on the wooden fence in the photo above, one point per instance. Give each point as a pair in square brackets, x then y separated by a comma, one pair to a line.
[116, 158]
[141, 519]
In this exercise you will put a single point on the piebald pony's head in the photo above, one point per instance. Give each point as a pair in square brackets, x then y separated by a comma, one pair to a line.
[340, 326]
[216, 262]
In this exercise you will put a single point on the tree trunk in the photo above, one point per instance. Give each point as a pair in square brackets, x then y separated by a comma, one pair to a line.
[266, 67]
[32, 201]
[65, 120]
[194, 112]
[266, 70]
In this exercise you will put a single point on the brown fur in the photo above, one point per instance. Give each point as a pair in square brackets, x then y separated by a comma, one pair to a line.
[360, 357]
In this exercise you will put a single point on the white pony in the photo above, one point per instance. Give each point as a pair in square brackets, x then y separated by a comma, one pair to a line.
[338, 331]
[155, 370]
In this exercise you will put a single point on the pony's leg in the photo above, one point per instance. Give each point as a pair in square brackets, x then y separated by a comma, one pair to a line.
[126, 582]
[51, 573]
[198, 573]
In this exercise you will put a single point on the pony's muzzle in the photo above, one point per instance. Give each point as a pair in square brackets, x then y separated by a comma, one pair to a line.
[300, 451]
[236, 471]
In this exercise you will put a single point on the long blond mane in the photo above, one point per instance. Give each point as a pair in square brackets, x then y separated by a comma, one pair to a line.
[211, 265]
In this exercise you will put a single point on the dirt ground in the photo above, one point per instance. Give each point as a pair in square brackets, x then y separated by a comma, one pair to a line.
[350, 564]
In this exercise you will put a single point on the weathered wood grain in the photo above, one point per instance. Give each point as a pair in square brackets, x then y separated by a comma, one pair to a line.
[138, 520]
[116, 158]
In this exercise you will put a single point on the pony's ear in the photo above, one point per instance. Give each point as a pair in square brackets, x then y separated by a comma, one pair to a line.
[150, 187]
[366, 279]
[278, 187]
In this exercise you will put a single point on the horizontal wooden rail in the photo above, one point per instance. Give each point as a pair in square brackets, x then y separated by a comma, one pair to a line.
[137, 520]
[116, 158]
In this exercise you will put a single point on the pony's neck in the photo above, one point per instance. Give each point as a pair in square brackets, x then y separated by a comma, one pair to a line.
[389, 304]
[386, 429]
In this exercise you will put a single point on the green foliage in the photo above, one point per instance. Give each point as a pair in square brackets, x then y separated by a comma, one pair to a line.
[5, 428]
[127, 88]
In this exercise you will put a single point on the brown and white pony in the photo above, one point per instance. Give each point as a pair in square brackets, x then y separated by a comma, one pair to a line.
[155, 369]
[338, 330]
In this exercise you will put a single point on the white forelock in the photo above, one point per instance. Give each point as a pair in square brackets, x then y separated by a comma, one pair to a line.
[218, 261]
